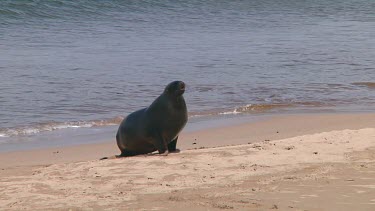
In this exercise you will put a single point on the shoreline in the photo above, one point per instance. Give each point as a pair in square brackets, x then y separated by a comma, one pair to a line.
[66, 137]
[223, 133]
[297, 162]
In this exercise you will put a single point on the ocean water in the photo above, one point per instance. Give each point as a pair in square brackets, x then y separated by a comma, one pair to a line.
[68, 65]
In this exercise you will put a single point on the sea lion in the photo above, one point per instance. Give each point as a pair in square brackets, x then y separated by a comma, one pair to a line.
[155, 127]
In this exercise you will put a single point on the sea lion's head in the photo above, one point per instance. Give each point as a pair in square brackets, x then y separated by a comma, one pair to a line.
[175, 88]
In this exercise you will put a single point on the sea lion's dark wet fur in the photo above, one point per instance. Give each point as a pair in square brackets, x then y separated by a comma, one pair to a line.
[155, 127]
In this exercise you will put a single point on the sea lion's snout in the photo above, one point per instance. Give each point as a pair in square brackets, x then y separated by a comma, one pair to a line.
[182, 86]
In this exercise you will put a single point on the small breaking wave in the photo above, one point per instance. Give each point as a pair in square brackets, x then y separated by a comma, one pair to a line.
[256, 108]
[263, 108]
[51, 126]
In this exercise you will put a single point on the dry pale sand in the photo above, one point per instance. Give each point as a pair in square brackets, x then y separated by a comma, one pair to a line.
[330, 170]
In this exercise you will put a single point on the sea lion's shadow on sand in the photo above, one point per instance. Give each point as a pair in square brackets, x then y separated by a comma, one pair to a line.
[152, 154]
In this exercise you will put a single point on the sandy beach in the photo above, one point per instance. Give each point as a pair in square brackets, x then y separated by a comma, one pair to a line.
[284, 162]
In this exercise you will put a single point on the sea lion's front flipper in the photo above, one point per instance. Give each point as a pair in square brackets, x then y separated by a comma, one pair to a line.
[172, 145]
[160, 144]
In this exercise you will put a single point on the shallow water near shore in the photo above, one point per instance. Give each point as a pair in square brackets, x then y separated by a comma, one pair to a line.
[81, 66]
[91, 135]
[106, 134]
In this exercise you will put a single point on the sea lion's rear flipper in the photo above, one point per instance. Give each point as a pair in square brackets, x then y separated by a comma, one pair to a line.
[127, 153]
[111, 157]
[114, 156]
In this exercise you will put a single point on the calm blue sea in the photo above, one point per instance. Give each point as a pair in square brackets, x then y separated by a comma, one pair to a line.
[68, 65]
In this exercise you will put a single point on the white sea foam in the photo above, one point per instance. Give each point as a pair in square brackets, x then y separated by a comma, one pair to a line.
[230, 112]
[30, 131]
[239, 110]
[45, 127]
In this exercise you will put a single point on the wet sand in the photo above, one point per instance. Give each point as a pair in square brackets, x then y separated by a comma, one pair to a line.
[286, 162]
